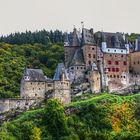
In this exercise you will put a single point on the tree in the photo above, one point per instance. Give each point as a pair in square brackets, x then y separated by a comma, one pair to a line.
[35, 134]
[56, 119]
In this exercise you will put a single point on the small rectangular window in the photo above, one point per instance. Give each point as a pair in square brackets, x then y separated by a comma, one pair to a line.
[89, 55]
[49, 85]
[109, 62]
[124, 63]
[116, 63]
[117, 69]
[113, 69]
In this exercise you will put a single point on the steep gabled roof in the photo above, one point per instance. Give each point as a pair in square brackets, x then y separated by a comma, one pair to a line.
[78, 58]
[73, 39]
[36, 75]
[113, 40]
[59, 71]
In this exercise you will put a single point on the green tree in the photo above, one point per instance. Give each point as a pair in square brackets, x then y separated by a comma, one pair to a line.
[56, 119]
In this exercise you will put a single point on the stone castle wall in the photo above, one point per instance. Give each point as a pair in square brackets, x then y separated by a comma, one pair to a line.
[8, 104]
[32, 89]
[90, 54]
[77, 73]
[62, 91]
[95, 83]
[117, 66]
[135, 62]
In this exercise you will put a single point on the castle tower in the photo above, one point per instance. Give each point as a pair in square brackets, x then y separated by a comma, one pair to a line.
[61, 86]
[94, 79]
[71, 43]
[77, 67]
[89, 47]
[33, 84]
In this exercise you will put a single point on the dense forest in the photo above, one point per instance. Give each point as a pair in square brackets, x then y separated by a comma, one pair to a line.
[103, 117]
[41, 37]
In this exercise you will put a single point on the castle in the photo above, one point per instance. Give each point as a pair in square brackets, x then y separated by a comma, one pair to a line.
[35, 85]
[94, 62]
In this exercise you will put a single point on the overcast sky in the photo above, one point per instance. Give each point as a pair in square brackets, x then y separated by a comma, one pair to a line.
[106, 15]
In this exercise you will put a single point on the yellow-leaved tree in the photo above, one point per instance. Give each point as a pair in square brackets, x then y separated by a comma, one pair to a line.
[36, 134]
[122, 117]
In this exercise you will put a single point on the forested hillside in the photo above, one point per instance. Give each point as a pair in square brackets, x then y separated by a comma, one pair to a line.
[14, 58]
[103, 117]
[41, 37]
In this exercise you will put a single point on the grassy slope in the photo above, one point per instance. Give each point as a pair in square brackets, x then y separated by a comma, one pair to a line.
[107, 97]
[92, 116]
[113, 99]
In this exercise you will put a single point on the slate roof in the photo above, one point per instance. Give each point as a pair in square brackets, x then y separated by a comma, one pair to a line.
[58, 72]
[138, 43]
[78, 58]
[73, 39]
[48, 80]
[87, 37]
[35, 75]
[113, 40]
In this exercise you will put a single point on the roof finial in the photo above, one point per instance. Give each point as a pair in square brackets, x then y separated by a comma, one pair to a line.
[82, 24]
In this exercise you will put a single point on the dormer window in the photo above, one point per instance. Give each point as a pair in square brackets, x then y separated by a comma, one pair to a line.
[26, 78]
